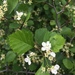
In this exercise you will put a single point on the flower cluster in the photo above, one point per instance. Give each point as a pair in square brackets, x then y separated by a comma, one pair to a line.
[71, 10]
[18, 15]
[32, 56]
[30, 2]
[2, 32]
[66, 49]
[3, 9]
[2, 56]
[28, 60]
[46, 49]
[54, 69]
[46, 46]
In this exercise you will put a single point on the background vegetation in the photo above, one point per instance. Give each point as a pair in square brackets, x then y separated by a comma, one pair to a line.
[25, 25]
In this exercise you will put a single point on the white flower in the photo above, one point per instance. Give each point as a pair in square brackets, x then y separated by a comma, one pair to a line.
[5, 1]
[43, 69]
[30, 2]
[19, 14]
[27, 59]
[18, 18]
[46, 46]
[54, 69]
[32, 54]
[52, 54]
[25, 14]
[56, 66]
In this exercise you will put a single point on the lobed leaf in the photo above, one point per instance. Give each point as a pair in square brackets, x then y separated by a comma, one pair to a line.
[57, 42]
[21, 41]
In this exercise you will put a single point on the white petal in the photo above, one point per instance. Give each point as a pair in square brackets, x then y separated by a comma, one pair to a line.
[43, 44]
[48, 44]
[52, 54]
[47, 48]
[53, 71]
[43, 48]
[17, 12]
[18, 18]
[27, 56]
[5, 1]
[56, 66]
[26, 60]
[29, 62]
[21, 13]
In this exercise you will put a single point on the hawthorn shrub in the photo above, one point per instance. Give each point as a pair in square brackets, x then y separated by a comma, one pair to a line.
[37, 37]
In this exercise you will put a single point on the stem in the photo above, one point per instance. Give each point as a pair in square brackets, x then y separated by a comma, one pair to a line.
[22, 24]
[72, 39]
[49, 4]
[28, 72]
[57, 22]
[56, 12]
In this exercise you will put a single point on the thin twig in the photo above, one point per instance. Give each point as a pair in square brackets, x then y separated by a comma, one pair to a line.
[72, 39]
[3, 71]
[22, 24]
[49, 4]
[56, 12]
[63, 8]
[27, 72]
[53, 6]
[60, 11]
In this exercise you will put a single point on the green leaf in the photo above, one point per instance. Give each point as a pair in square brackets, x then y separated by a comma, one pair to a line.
[72, 50]
[1, 1]
[52, 22]
[11, 5]
[33, 67]
[28, 16]
[16, 67]
[40, 0]
[30, 23]
[39, 35]
[67, 63]
[63, 2]
[73, 72]
[14, 26]
[66, 31]
[22, 7]
[46, 7]
[48, 35]
[21, 41]
[40, 72]
[46, 62]
[57, 42]
[10, 56]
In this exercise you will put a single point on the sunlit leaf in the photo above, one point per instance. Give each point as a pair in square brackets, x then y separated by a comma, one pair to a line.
[21, 41]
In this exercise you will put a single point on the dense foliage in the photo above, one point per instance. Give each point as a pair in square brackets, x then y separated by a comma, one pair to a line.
[37, 37]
